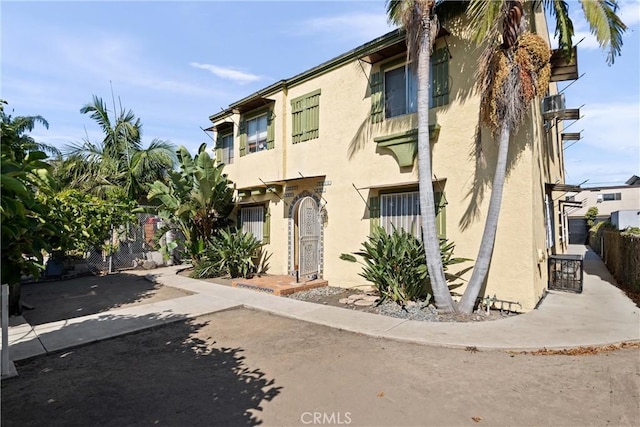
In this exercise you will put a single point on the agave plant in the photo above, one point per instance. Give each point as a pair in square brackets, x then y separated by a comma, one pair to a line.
[395, 264]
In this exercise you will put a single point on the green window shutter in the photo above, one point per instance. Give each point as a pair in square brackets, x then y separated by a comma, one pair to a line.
[313, 116]
[239, 218]
[219, 148]
[270, 130]
[440, 78]
[297, 108]
[266, 226]
[441, 215]
[376, 86]
[374, 213]
[305, 117]
[242, 133]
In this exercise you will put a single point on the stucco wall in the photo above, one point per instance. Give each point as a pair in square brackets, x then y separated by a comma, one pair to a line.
[345, 158]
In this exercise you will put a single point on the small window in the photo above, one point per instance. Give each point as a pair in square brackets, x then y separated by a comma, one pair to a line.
[402, 211]
[252, 220]
[400, 92]
[226, 147]
[607, 197]
[257, 134]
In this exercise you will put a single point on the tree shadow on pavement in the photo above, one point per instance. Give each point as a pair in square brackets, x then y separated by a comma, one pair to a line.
[167, 375]
[82, 296]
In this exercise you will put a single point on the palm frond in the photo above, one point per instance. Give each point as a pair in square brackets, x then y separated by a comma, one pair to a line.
[564, 26]
[485, 20]
[98, 112]
[605, 25]
[415, 17]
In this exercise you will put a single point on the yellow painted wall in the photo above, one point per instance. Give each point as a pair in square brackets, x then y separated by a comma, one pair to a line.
[345, 156]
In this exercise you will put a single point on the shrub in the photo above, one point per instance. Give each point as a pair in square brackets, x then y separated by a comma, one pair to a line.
[591, 216]
[232, 253]
[395, 264]
[595, 235]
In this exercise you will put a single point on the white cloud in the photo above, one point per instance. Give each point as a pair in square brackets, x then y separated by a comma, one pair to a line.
[361, 26]
[629, 12]
[614, 126]
[228, 73]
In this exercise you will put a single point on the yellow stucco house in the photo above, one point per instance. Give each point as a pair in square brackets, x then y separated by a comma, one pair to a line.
[322, 156]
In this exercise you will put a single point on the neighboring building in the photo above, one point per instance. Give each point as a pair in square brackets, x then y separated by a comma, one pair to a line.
[620, 204]
[320, 158]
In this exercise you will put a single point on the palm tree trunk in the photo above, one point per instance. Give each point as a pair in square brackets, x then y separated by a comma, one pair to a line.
[485, 252]
[441, 292]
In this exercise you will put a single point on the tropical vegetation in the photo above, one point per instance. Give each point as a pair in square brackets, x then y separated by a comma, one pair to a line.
[119, 161]
[395, 264]
[513, 72]
[196, 201]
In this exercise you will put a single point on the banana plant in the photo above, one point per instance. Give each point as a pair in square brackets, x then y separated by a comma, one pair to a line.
[196, 201]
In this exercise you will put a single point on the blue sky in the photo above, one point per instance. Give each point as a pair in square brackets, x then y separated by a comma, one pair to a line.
[176, 63]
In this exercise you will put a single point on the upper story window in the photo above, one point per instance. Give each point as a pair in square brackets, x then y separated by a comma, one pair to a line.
[305, 117]
[394, 89]
[400, 91]
[256, 131]
[607, 197]
[226, 146]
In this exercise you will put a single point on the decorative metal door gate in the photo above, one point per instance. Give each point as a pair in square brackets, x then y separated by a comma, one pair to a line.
[309, 237]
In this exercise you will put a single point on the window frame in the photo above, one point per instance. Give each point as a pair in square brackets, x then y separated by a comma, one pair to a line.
[256, 118]
[227, 155]
[257, 224]
[439, 202]
[243, 129]
[438, 74]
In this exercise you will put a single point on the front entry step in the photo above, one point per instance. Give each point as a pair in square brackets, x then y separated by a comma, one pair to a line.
[278, 285]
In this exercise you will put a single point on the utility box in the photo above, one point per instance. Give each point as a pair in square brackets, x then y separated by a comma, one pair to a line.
[566, 273]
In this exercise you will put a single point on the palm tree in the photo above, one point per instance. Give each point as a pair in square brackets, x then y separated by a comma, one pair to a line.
[119, 162]
[510, 76]
[419, 20]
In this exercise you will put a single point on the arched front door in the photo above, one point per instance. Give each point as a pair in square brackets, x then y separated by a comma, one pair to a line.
[308, 239]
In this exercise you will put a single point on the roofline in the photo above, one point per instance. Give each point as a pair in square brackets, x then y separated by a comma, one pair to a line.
[376, 44]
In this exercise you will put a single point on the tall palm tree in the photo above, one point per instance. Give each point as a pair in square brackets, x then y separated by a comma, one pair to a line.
[419, 20]
[119, 161]
[514, 73]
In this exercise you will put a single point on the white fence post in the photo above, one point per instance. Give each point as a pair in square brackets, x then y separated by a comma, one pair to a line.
[5, 329]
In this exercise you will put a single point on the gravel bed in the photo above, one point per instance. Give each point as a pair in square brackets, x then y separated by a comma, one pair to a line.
[417, 311]
[325, 291]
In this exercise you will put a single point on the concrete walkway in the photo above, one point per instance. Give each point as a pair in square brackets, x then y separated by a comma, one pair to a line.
[601, 315]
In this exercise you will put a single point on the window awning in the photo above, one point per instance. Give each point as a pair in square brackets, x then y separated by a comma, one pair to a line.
[397, 185]
[565, 188]
[251, 104]
[393, 48]
[297, 178]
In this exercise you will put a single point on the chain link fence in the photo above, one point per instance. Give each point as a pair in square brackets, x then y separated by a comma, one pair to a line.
[129, 246]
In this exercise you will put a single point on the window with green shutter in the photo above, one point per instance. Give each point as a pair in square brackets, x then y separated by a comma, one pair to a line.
[257, 221]
[401, 210]
[256, 131]
[224, 147]
[305, 117]
[394, 90]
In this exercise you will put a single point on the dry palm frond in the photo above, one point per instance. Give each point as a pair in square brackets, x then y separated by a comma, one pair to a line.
[512, 78]
[415, 17]
[579, 351]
